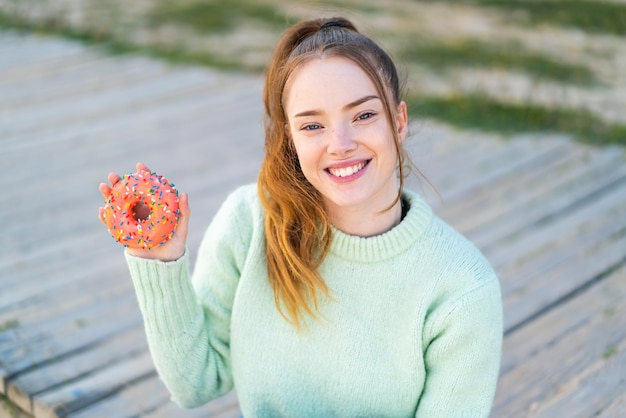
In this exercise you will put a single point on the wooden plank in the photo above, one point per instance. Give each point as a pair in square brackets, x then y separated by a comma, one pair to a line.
[83, 302]
[71, 211]
[582, 237]
[41, 71]
[540, 212]
[206, 75]
[99, 385]
[617, 408]
[16, 267]
[464, 157]
[482, 161]
[553, 260]
[589, 393]
[113, 124]
[25, 381]
[33, 51]
[58, 302]
[429, 139]
[37, 187]
[130, 401]
[150, 398]
[69, 335]
[442, 153]
[582, 261]
[47, 377]
[150, 140]
[57, 280]
[519, 155]
[525, 187]
[560, 283]
[440, 174]
[11, 411]
[199, 122]
[75, 78]
[556, 219]
[122, 98]
[584, 336]
[525, 343]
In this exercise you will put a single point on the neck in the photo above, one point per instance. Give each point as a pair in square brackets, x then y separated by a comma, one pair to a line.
[365, 222]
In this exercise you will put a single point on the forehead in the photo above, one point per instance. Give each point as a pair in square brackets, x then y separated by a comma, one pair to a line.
[326, 80]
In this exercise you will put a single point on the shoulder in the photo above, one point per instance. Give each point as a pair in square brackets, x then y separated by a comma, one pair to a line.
[464, 279]
[461, 264]
[240, 205]
[465, 261]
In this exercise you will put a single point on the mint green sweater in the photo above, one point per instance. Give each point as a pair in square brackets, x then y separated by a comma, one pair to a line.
[414, 327]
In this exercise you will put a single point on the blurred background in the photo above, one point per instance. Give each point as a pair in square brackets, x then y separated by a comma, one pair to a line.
[501, 65]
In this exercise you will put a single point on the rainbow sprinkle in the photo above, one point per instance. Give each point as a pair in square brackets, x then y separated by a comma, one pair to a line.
[152, 190]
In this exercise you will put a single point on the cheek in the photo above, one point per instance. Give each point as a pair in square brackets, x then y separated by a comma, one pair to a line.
[304, 155]
[309, 158]
[387, 144]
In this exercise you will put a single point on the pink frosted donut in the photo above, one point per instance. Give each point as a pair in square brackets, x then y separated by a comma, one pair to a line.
[134, 230]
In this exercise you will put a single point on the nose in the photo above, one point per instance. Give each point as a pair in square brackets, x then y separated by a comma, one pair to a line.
[340, 141]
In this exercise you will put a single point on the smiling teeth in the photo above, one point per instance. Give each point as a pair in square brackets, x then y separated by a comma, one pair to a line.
[346, 171]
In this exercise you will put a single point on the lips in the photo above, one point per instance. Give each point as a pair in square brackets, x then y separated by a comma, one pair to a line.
[348, 170]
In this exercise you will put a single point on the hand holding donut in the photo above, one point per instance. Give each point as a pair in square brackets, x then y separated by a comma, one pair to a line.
[144, 212]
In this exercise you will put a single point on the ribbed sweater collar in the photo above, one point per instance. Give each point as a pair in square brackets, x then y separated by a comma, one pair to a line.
[389, 244]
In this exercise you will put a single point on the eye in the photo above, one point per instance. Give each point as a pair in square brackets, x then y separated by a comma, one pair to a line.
[311, 127]
[365, 116]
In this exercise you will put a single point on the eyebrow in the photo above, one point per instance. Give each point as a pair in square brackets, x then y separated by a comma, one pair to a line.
[346, 107]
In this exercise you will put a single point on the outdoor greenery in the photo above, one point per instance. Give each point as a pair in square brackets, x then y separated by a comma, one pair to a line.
[117, 46]
[216, 16]
[8, 406]
[480, 111]
[588, 15]
[441, 55]
[10, 324]
[506, 56]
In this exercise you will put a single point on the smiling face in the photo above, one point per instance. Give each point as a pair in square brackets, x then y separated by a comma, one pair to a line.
[344, 142]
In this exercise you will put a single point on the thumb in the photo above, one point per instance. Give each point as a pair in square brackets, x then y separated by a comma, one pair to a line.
[184, 214]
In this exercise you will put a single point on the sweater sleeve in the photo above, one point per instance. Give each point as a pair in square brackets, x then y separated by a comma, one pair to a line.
[187, 319]
[463, 342]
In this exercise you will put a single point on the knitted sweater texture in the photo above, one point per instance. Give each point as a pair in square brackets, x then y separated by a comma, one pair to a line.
[414, 326]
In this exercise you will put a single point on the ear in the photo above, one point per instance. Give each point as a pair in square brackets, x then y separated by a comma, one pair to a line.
[402, 120]
[287, 130]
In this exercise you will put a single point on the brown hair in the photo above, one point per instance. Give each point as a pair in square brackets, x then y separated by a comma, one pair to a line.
[297, 228]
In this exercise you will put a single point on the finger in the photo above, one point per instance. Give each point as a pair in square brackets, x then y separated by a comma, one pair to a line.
[104, 189]
[183, 219]
[113, 178]
[142, 167]
[183, 205]
[101, 215]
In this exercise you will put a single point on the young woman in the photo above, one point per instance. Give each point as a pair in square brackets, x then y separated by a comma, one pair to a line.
[326, 289]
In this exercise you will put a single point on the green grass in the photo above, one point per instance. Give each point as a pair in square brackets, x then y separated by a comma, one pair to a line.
[10, 324]
[9, 407]
[173, 54]
[480, 54]
[610, 352]
[468, 111]
[588, 15]
[214, 15]
[481, 112]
